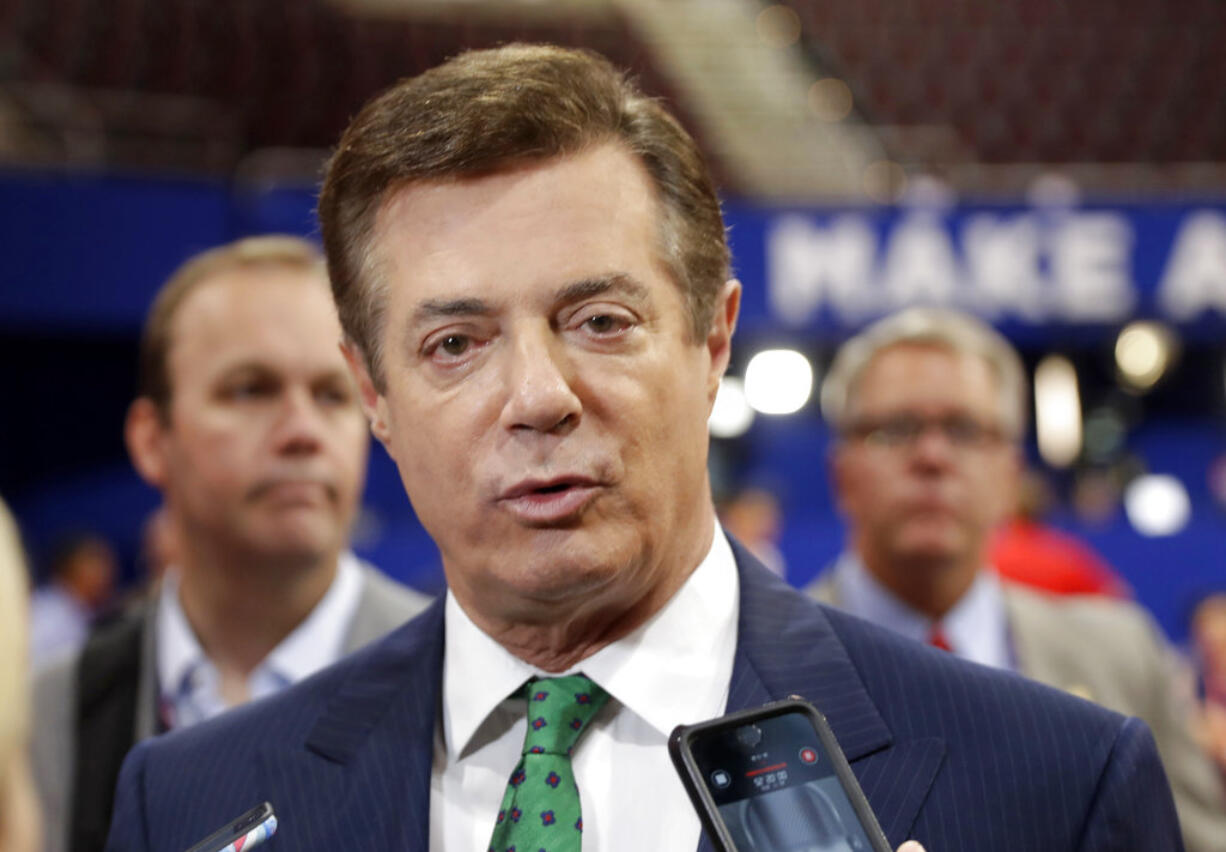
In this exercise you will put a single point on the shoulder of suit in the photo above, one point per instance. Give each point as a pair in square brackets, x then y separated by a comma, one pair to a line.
[390, 594]
[383, 605]
[823, 588]
[111, 651]
[56, 669]
[884, 657]
[1077, 611]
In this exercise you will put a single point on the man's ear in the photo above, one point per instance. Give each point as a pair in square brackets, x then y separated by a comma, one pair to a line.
[373, 404]
[719, 338]
[144, 432]
[836, 468]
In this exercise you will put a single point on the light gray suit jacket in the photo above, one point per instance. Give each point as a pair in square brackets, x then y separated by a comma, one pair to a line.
[383, 606]
[1112, 653]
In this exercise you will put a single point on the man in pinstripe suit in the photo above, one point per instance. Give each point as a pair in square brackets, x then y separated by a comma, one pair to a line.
[530, 266]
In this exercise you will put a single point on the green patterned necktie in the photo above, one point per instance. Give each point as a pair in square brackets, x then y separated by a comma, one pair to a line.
[540, 810]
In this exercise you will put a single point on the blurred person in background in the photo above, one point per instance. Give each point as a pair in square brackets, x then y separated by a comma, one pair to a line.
[929, 407]
[1025, 549]
[19, 820]
[81, 580]
[753, 517]
[248, 424]
[1208, 633]
[159, 544]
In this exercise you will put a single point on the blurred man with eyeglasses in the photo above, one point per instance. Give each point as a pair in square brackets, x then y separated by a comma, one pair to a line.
[929, 407]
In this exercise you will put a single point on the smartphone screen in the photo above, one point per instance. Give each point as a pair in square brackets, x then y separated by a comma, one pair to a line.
[776, 787]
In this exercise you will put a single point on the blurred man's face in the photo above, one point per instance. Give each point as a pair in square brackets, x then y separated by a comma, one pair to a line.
[1209, 632]
[925, 472]
[543, 401]
[265, 445]
[91, 572]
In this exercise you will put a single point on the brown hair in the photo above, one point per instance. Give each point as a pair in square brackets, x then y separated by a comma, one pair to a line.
[486, 111]
[156, 337]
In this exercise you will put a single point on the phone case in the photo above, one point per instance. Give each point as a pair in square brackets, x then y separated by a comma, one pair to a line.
[243, 832]
[679, 748]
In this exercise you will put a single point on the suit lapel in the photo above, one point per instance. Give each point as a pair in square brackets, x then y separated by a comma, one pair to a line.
[787, 646]
[364, 768]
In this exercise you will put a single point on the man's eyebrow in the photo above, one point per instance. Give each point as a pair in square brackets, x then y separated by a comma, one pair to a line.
[248, 365]
[613, 282]
[435, 308]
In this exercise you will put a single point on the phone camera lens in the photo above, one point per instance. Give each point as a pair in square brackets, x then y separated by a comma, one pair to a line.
[749, 736]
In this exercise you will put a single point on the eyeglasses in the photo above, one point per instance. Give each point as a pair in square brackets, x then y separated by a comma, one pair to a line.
[904, 430]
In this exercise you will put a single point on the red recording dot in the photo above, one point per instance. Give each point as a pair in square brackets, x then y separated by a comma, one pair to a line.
[808, 755]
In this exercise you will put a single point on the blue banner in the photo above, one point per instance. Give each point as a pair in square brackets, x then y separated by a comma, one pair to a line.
[1032, 271]
[90, 251]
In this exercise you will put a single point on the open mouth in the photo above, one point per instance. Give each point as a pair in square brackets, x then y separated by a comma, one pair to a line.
[549, 502]
[554, 489]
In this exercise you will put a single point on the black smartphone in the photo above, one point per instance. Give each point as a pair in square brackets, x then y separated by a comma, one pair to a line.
[252, 828]
[774, 780]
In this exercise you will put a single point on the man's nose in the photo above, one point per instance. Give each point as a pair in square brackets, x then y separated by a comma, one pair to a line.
[933, 447]
[539, 378]
[299, 426]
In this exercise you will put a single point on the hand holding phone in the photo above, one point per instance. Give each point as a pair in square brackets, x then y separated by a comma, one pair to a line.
[774, 780]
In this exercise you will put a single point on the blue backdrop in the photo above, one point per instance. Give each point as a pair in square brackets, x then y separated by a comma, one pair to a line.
[84, 255]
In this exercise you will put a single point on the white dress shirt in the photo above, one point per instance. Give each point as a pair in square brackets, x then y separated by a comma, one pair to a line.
[976, 628]
[187, 679]
[675, 668]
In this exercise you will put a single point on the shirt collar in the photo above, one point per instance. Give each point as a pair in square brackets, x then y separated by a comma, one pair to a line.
[976, 627]
[316, 642]
[178, 650]
[319, 640]
[674, 668]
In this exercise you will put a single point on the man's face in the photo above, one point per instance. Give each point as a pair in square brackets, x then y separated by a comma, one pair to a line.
[543, 400]
[265, 445]
[1209, 631]
[925, 473]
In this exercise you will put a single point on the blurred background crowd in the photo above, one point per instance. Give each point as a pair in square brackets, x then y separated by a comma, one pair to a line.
[1056, 169]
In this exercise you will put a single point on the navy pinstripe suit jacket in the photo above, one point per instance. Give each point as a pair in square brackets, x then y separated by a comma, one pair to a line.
[958, 756]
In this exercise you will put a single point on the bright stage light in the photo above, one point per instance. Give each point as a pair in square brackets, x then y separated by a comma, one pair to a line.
[1157, 505]
[731, 415]
[778, 381]
[1057, 411]
[1143, 353]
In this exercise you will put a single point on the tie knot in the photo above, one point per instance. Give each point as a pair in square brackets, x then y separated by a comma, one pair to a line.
[559, 710]
[938, 639]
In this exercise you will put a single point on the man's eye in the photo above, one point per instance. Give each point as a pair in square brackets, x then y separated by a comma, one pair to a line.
[604, 324]
[333, 396]
[899, 430]
[963, 431]
[248, 390]
[454, 344]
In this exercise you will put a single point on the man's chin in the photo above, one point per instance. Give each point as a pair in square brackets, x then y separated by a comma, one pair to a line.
[558, 582]
[933, 551]
[293, 544]
[551, 571]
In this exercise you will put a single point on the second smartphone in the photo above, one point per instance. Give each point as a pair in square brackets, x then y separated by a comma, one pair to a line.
[774, 780]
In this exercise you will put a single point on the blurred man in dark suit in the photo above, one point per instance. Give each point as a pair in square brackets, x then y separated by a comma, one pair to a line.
[248, 423]
[929, 406]
[531, 268]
